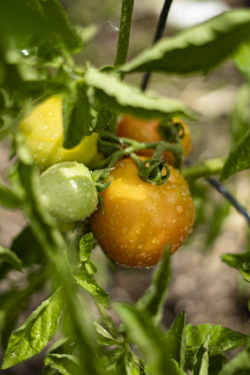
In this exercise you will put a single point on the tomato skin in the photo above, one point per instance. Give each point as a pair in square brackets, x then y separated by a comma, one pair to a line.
[148, 131]
[140, 218]
[43, 135]
[68, 191]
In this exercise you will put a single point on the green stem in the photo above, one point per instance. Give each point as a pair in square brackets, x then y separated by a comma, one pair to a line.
[208, 168]
[134, 146]
[124, 33]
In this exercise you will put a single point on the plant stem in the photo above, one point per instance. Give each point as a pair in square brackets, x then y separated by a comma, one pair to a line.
[133, 146]
[223, 191]
[124, 33]
[206, 169]
[210, 168]
[158, 35]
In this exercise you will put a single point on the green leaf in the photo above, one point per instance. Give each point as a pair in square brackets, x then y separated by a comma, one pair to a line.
[238, 159]
[61, 346]
[240, 121]
[7, 198]
[87, 282]
[197, 49]
[124, 367]
[240, 261]
[65, 364]
[221, 338]
[239, 363]
[104, 337]
[132, 369]
[90, 267]
[41, 22]
[61, 31]
[242, 59]
[16, 300]
[175, 339]
[154, 297]
[201, 359]
[103, 120]
[6, 255]
[85, 247]
[119, 96]
[143, 332]
[78, 115]
[35, 333]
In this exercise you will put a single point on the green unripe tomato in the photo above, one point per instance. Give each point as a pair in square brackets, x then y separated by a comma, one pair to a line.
[67, 189]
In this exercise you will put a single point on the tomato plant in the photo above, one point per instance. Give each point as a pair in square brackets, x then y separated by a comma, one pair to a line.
[140, 218]
[62, 161]
[148, 131]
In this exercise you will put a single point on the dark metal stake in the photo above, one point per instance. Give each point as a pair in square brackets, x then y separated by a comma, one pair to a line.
[158, 35]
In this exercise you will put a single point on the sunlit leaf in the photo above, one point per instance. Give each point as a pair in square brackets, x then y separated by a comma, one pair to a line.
[87, 282]
[240, 121]
[241, 261]
[175, 339]
[65, 364]
[143, 332]
[242, 59]
[240, 364]
[37, 330]
[119, 96]
[238, 159]
[201, 359]
[221, 338]
[198, 49]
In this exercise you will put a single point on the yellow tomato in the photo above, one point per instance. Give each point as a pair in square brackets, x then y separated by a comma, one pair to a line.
[43, 133]
[140, 218]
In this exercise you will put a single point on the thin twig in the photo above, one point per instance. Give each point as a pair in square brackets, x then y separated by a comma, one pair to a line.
[210, 167]
[223, 191]
[158, 35]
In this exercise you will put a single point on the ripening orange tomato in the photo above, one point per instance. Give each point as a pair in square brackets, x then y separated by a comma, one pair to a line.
[140, 218]
[148, 131]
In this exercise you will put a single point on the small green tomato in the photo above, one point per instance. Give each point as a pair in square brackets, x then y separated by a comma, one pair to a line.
[68, 191]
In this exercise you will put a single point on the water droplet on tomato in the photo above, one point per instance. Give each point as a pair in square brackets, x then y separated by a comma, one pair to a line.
[179, 209]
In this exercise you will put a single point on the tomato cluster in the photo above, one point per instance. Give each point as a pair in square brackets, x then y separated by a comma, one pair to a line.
[140, 218]
[137, 218]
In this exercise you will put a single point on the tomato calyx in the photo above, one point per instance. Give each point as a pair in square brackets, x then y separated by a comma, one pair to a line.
[116, 148]
[152, 170]
[100, 177]
[172, 131]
